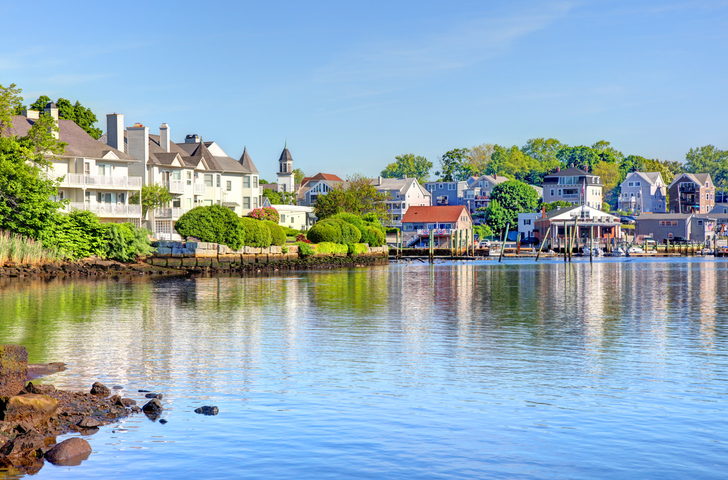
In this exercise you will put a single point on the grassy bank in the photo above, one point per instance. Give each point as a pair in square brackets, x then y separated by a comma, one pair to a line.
[22, 250]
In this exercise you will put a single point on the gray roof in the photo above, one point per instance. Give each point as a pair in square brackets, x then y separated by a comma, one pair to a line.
[571, 172]
[285, 155]
[487, 178]
[663, 216]
[699, 178]
[246, 163]
[80, 143]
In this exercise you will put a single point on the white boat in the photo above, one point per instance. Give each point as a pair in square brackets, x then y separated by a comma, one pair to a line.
[618, 252]
[633, 250]
[596, 251]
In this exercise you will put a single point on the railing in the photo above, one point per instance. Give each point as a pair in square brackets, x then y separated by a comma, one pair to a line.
[437, 231]
[570, 195]
[75, 179]
[175, 186]
[174, 212]
[200, 189]
[688, 188]
[107, 209]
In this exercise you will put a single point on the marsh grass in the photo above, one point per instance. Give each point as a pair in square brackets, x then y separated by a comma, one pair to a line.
[26, 251]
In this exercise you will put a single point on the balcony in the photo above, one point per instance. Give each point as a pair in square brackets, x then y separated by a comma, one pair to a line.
[78, 180]
[175, 186]
[173, 213]
[688, 187]
[107, 209]
[200, 189]
[570, 196]
[439, 232]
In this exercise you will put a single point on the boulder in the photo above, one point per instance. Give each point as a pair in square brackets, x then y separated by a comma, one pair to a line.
[153, 406]
[29, 408]
[207, 410]
[39, 389]
[24, 445]
[69, 452]
[154, 395]
[100, 389]
[126, 402]
[13, 369]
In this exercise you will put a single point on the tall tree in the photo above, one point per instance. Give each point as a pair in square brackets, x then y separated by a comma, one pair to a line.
[357, 195]
[298, 176]
[26, 192]
[511, 162]
[511, 198]
[77, 113]
[607, 153]
[455, 166]
[708, 159]
[409, 165]
[580, 157]
[479, 158]
[544, 151]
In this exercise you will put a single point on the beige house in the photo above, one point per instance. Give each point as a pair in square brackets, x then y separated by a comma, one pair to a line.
[93, 176]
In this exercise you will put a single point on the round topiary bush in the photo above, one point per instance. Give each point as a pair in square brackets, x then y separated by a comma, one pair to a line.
[325, 231]
[374, 237]
[214, 224]
[277, 235]
[257, 233]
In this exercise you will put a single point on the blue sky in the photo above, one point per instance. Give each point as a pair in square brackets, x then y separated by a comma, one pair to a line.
[350, 85]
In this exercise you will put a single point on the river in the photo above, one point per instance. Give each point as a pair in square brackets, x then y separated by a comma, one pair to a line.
[458, 370]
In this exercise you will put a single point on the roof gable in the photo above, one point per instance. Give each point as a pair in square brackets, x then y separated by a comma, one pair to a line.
[444, 214]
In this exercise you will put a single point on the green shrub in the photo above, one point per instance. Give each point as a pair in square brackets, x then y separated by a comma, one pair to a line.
[375, 237]
[324, 231]
[214, 224]
[125, 242]
[284, 249]
[305, 249]
[79, 234]
[290, 232]
[349, 233]
[257, 233]
[358, 249]
[278, 237]
[328, 248]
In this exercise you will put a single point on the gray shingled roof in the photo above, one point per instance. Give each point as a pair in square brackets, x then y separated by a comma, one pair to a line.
[246, 163]
[80, 143]
[699, 178]
[285, 155]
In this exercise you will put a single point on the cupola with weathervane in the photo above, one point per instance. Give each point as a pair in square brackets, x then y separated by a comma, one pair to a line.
[286, 178]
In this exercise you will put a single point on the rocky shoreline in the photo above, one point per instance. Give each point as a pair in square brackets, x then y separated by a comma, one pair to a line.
[162, 266]
[33, 415]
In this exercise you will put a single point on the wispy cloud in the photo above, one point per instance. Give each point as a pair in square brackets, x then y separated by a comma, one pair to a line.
[461, 45]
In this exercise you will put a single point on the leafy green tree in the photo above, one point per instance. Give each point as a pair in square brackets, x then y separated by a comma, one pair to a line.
[153, 196]
[557, 204]
[511, 163]
[479, 158]
[273, 197]
[454, 165]
[607, 153]
[26, 205]
[708, 159]
[511, 198]
[409, 165]
[80, 115]
[544, 151]
[298, 176]
[580, 157]
[357, 195]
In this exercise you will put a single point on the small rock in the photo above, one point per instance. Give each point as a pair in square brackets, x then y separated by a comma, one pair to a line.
[69, 452]
[88, 422]
[117, 387]
[153, 406]
[163, 421]
[143, 391]
[23, 445]
[136, 409]
[100, 389]
[207, 410]
[153, 395]
[114, 398]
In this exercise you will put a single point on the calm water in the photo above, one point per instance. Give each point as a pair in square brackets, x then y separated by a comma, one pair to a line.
[477, 370]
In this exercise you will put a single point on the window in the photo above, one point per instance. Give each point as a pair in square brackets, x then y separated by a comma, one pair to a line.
[218, 181]
[208, 180]
[291, 218]
[177, 202]
[630, 184]
[229, 186]
[552, 192]
[177, 175]
[246, 181]
[246, 203]
[255, 182]
[189, 178]
[283, 217]
[637, 184]
[87, 168]
[527, 221]
[451, 186]
[255, 202]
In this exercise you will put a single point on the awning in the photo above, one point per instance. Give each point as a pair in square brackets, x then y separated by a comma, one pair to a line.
[230, 204]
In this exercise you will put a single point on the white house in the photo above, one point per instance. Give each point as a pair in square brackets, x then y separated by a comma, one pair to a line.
[643, 192]
[527, 223]
[402, 193]
[94, 176]
[575, 186]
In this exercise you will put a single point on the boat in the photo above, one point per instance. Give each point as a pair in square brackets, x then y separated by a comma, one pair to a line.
[596, 251]
[618, 252]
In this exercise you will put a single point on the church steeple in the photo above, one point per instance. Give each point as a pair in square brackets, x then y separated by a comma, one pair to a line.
[286, 178]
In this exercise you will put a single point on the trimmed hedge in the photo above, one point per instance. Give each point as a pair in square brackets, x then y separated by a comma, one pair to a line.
[357, 249]
[334, 230]
[215, 224]
[257, 233]
[371, 231]
[290, 232]
[305, 249]
[332, 248]
[278, 237]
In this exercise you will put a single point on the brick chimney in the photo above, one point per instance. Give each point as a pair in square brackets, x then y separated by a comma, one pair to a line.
[115, 130]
